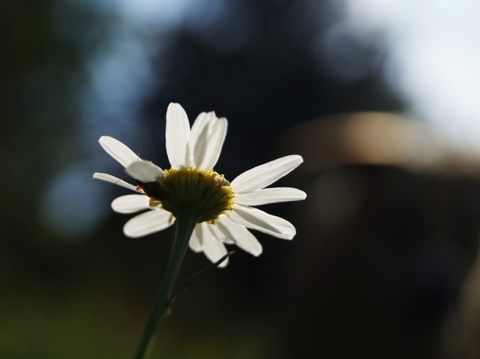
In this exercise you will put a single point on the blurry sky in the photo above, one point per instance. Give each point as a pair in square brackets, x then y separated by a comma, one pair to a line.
[431, 57]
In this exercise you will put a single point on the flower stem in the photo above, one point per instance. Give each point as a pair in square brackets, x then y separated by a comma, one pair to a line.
[192, 278]
[186, 222]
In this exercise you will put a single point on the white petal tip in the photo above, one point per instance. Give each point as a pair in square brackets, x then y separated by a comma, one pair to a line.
[175, 106]
[147, 223]
[289, 235]
[112, 179]
[130, 203]
[295, 160]
[257, 253]
[119, 151]
[145, 171]
[223, 264]
[129, 234]
[261, 176]
[107, 140]
[288, 232]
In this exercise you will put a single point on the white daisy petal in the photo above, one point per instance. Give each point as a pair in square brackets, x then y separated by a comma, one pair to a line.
[217, 233]
[147, 223]
[115, 180]
[213, 247]
[217, 132]
[120, 152]
[241, 236]
[200, 143]
[176, 135]
[270, 195]
[228, 240]
[131, 203]
[261, 221]
[264, 175]
[194, 243]
[197, 128]
[145, 171]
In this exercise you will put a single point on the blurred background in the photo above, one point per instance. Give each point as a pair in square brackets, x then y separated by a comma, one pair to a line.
[380, 97]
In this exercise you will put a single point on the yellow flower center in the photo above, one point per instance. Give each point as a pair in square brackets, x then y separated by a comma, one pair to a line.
[207, 193]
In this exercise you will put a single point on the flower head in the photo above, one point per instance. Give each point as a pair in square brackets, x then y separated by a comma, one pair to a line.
[223, 210]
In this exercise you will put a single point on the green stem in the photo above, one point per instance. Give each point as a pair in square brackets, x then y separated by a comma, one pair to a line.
[192, 278]
[186, 222]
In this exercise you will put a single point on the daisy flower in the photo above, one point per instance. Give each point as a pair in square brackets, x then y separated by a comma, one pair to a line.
[222, 211]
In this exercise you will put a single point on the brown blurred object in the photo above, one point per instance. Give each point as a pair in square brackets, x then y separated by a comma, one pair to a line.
[389, 237]
[378, 138]
[463, 326]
